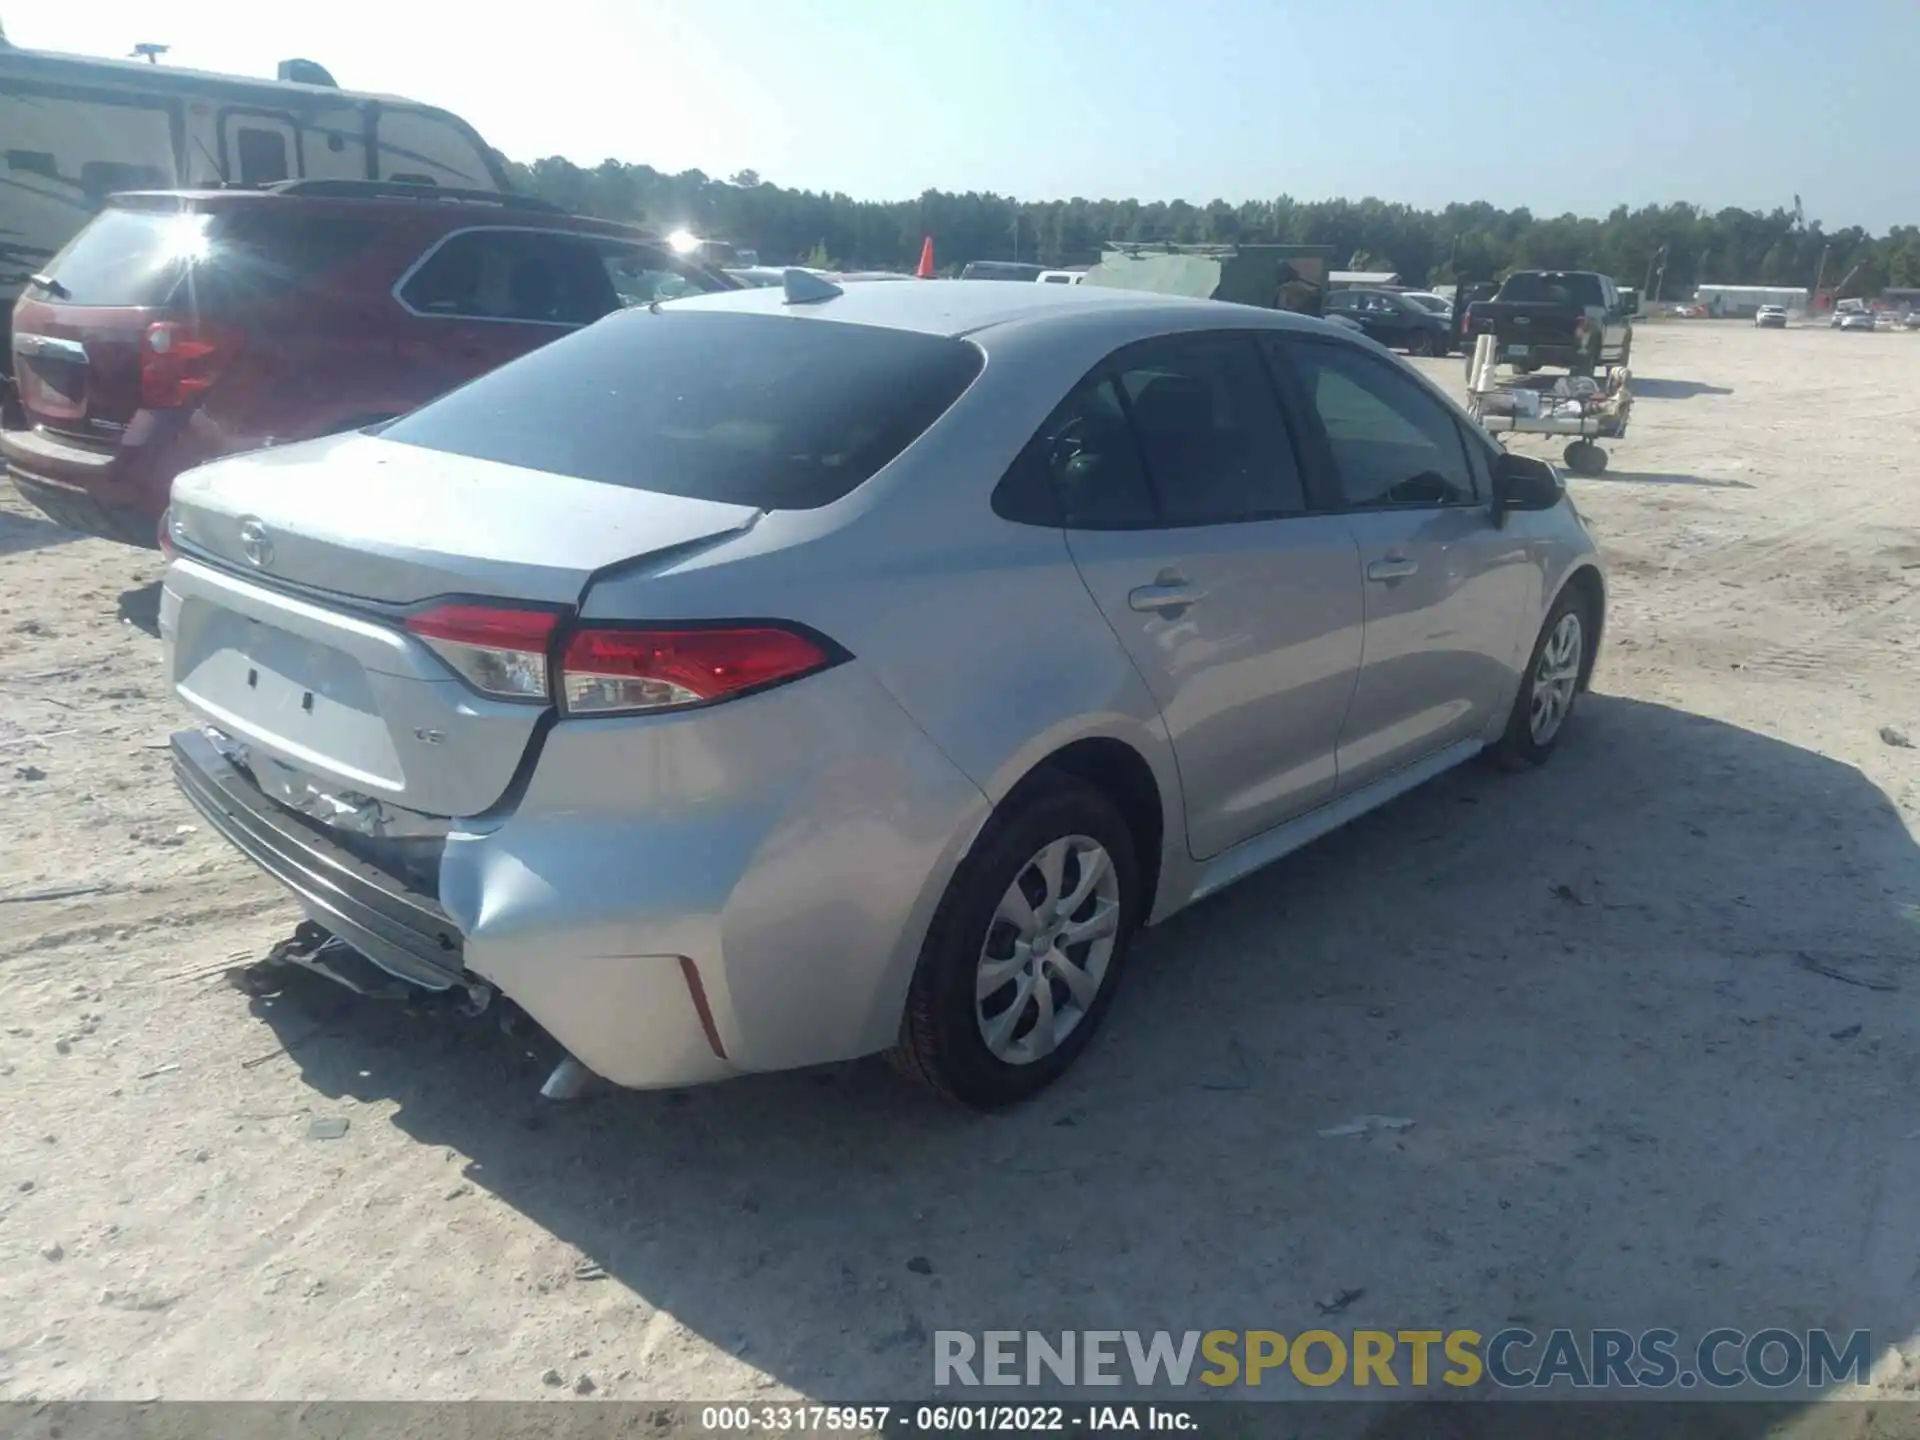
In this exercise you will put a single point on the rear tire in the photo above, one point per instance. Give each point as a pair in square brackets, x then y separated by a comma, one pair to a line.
[1555, 671]
[1420, 344]
[1005, 919]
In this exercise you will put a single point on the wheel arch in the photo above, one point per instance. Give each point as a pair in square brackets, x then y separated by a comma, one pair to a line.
[1122, 774]
[1586, 581]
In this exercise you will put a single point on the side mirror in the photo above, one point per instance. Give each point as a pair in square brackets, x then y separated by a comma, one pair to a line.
[1521, 482]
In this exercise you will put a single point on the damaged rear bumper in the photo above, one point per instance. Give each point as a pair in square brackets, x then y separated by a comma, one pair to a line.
[403, 931]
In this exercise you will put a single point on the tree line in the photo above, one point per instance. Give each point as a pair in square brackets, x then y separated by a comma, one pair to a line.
[1670, 248]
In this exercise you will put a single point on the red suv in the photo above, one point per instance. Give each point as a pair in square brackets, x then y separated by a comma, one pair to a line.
[180, 326]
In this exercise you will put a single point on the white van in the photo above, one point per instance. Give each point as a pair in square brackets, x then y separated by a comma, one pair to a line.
[74, 130]
[1062, 277]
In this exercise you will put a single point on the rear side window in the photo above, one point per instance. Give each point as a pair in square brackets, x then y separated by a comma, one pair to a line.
[210, 263]
[773, 411]
[1081, 469]
[1216, 448]
[129, 257]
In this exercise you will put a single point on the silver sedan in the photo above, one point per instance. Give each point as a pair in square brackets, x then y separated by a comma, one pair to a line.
[787, 675]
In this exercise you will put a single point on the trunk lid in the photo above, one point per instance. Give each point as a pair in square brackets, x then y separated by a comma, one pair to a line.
[283, 618]
[395, 524]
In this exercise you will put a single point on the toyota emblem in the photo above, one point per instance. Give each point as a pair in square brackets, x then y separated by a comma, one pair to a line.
[256, 544]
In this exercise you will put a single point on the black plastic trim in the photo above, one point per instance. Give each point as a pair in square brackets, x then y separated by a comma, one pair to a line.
[402, 931]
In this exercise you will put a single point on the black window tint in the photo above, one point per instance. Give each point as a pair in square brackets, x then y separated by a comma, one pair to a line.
[1085, 459]
[767, 410]
[1393, 444]
[262, 155]
[1210, 430]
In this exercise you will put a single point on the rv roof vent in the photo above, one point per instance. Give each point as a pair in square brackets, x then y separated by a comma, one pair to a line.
[307, 72]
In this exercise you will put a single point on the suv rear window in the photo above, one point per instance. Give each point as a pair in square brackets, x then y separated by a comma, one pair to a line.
[128, 257]
[774, 411]
[223, 260]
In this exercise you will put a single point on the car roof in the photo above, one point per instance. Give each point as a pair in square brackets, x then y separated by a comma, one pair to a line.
[965, 307]
[468, 209]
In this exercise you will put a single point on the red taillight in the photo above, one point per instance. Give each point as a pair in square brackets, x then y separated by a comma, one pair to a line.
[501, 650]
[181, 360]
[163, 534]
[620, 671]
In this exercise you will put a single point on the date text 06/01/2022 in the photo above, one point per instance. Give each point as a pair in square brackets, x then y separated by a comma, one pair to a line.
[865, 1420]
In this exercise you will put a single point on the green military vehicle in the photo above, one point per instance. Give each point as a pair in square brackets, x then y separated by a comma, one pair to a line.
[1273, 277]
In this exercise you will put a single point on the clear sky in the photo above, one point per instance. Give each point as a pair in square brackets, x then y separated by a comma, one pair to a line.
[1555, 106]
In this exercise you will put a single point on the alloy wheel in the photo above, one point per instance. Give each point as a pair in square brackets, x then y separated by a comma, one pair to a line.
[1556, 677]
[1047, 950]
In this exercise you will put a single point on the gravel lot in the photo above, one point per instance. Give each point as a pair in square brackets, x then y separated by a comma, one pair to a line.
[1651, 1009]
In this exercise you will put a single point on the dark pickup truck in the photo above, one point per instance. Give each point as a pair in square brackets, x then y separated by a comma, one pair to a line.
[1571, 319]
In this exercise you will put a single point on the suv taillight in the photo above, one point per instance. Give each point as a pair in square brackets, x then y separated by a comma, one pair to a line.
[614, 670]
[181, 359]
[607, 671]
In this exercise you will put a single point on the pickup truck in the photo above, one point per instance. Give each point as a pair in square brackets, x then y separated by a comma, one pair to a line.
[1574, 319]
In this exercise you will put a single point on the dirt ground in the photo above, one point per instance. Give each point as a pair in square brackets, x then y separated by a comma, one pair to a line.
[1651, 1009]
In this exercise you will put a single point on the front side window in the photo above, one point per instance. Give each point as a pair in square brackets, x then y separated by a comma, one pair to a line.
[1216, 448]
[1393, 444]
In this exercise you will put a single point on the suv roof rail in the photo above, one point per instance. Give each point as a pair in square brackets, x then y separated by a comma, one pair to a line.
[408, 190]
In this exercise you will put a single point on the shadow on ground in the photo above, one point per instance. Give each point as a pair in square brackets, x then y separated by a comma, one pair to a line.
[21, 533]
[1613, 995]
[1642, 477]
[140, 607]
[1649, 389]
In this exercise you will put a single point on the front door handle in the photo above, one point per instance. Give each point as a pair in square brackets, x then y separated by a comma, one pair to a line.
[1163, 598]
[1394, 567]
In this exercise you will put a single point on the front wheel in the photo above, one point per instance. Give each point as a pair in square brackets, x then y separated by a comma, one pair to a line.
[1550, 688]
[1025, 950]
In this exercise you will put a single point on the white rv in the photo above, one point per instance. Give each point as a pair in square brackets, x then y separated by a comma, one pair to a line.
[74, 130]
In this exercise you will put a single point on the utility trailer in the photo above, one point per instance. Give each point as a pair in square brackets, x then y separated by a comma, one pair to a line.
[1582, 407]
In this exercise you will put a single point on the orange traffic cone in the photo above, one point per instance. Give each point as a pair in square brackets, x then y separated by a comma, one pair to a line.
[925, 272]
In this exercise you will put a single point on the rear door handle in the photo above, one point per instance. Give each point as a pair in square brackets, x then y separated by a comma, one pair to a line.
[1161, 598]
[1394, 567]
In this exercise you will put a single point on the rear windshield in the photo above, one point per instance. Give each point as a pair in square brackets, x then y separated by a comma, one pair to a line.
[774, 411]
[210, 263]
[1552, 287]
[999, 270]
[128, 257]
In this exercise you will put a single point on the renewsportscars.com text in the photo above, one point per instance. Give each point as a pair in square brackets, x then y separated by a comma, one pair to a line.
[1721, 1359]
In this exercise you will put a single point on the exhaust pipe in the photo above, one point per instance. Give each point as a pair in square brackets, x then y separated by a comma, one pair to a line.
[568, 1081]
